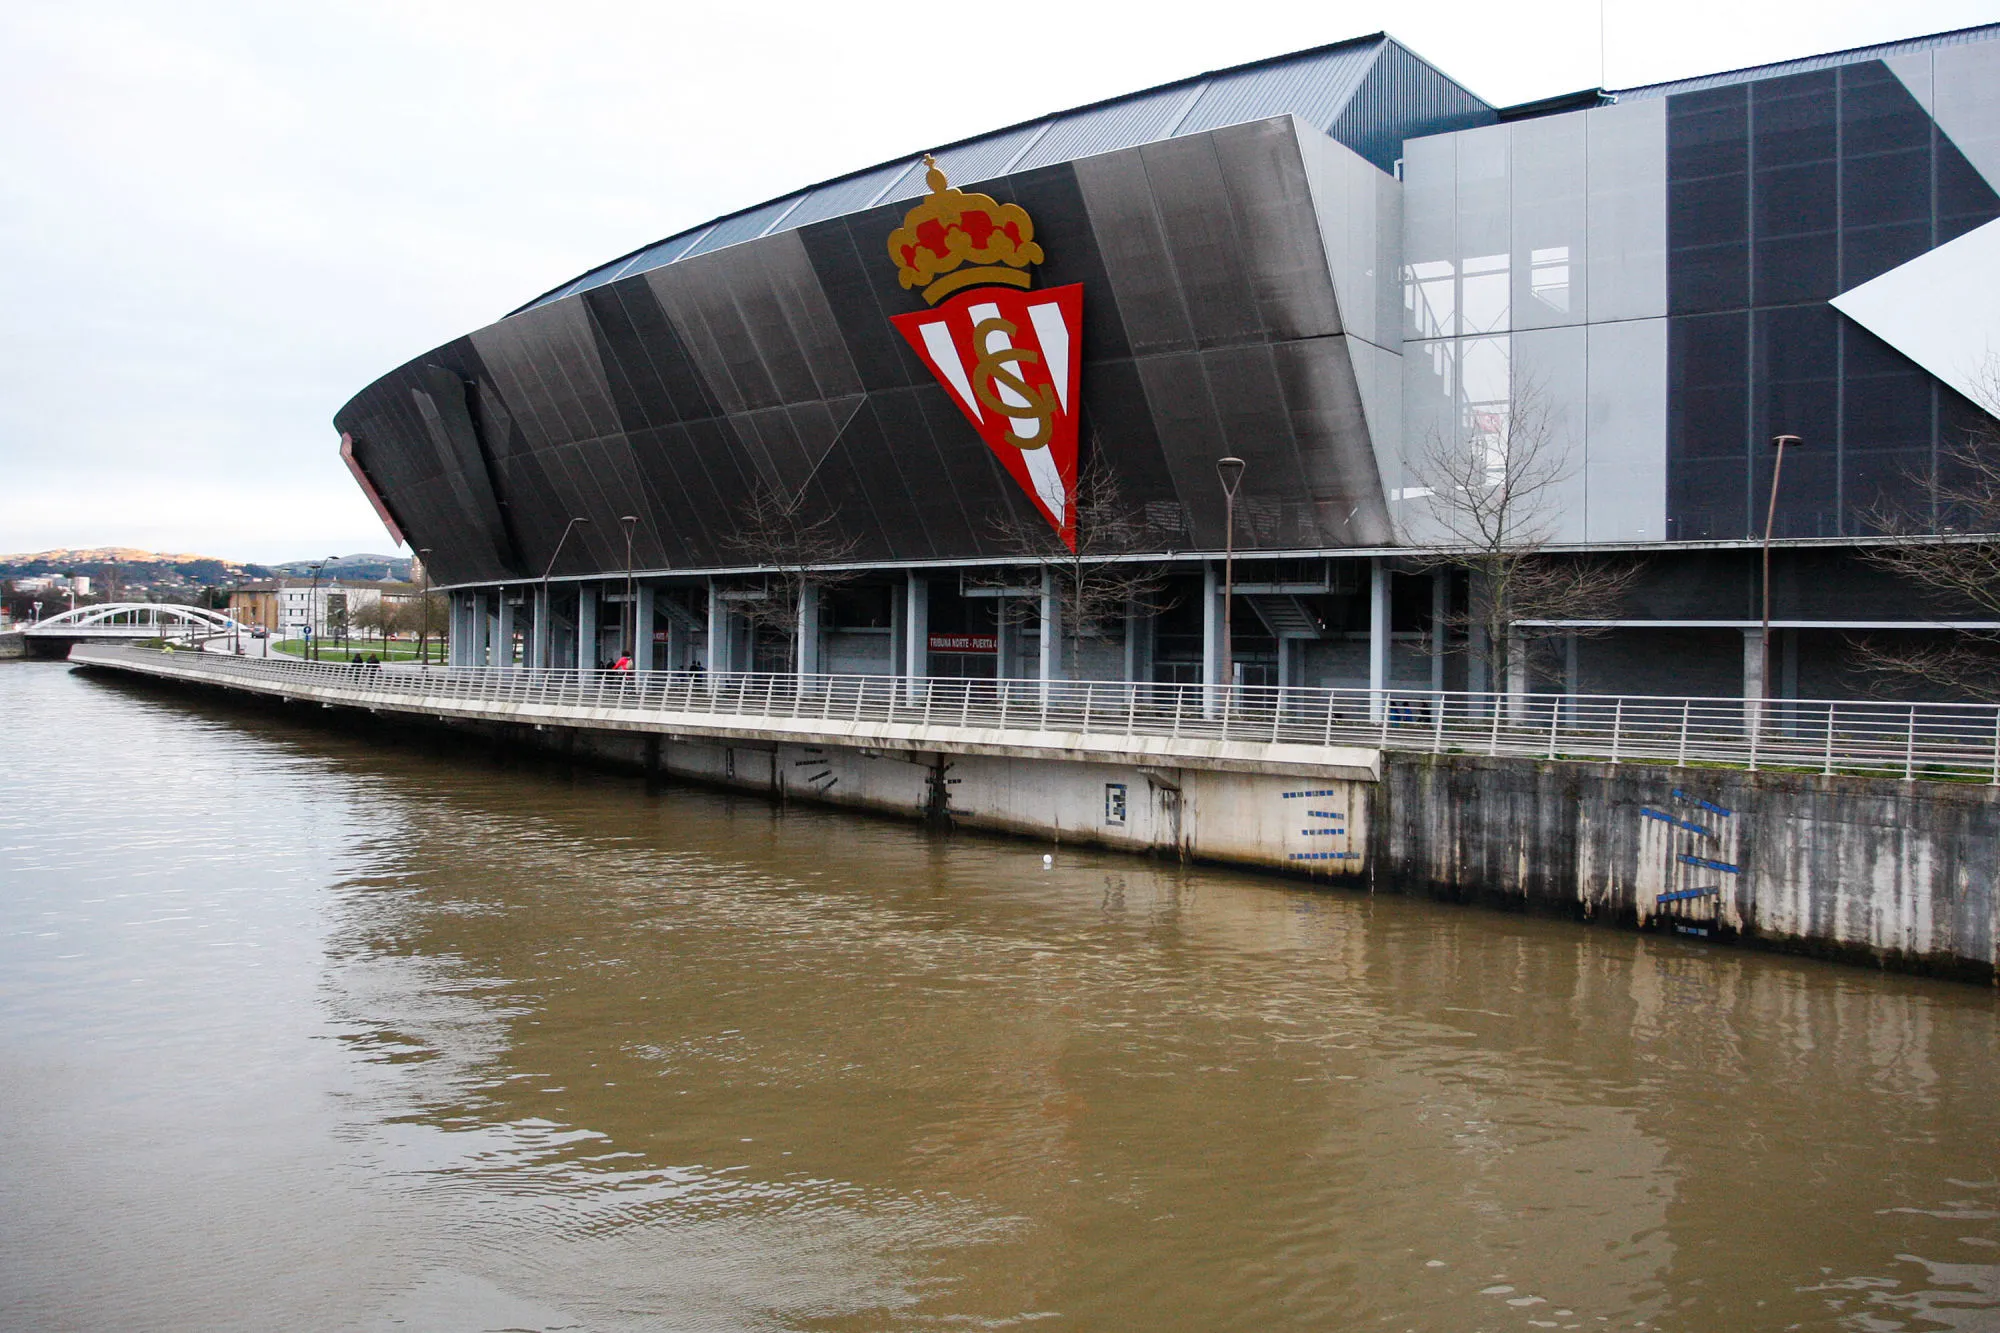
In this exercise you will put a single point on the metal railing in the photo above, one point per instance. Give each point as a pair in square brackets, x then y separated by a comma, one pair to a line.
[1907, 740]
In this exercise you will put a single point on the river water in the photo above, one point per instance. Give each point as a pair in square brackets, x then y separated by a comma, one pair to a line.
[302, 1030]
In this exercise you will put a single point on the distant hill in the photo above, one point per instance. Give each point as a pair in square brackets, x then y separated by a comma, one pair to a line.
[134, 568]
[365, 567]
[126, 571]
[108, 555]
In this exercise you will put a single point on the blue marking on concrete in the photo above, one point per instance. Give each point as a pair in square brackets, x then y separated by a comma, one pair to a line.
[1709, 806]
[1321, 832]
[1683, 895]
[1676, 821]
[1295, 795]
[1707, 864]
[1326, 856]
[1324, 814]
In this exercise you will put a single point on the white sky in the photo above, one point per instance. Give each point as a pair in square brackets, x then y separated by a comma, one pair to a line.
[220, 220]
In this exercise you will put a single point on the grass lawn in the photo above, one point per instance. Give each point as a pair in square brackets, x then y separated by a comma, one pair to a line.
[388, 652]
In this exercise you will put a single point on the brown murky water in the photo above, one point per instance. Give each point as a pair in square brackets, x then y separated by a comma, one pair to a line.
[300, 1032]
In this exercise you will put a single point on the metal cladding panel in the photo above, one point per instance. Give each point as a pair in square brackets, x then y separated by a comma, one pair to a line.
[1285, 259]
[968, 163]
[1964, 98]
[545, 371]
[1210, 325]
[1625, 246]
[1314, 87]
[1784, 191]
[1210, 258]
[1336, 456]
[1118, 193]
[1359, 212]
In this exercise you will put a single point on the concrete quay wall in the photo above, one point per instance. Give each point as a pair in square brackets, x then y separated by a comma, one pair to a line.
[1900, 874]
[1876, 871]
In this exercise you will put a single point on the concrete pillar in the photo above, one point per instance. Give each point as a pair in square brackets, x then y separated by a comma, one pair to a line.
[1517, 676]
[541, 641]
[1051, 665]
[1440, 624]
[1753, 676]
[1138, 644]
[1378, 637]
[718, 630]
[1006, 638]
[459, 636]
[679, 647]
[1211, 637]
[503, 632]
[807, 663]
[1788, 677]
[917, 627]
[479, 642]
[586, 627]
[642, 633]
[1572, 670]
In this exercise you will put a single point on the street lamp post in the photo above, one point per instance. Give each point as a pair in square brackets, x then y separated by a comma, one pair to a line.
[1230, 472]
[315, 623]
[543, 649]
[424, 609]
[629, 619]
[1770, 520]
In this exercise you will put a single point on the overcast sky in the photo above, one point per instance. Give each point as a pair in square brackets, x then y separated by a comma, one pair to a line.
[220, 220]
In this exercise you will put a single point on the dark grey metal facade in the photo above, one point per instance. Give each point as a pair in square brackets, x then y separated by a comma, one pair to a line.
[1211, 325]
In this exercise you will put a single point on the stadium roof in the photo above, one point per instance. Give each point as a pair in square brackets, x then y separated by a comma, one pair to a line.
[1369, 93]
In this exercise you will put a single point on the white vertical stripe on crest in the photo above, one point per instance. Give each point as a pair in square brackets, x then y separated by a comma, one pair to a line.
[1053, 335]
[938, 339]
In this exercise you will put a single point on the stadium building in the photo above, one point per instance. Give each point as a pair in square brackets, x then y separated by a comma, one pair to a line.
[942, 373]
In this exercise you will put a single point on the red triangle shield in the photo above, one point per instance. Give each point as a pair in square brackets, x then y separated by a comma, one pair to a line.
[1009, 360]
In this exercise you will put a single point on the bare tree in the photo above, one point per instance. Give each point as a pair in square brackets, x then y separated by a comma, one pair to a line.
[1493, 491]
[1948, 545]
[794, 549]
[377, 617]
[424, 615]
[1098, 583]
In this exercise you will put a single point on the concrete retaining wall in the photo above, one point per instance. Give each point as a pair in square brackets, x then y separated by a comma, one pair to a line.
[1892, 873]
[1889, 873]
[1901, 873]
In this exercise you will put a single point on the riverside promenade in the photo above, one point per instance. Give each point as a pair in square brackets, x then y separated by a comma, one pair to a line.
[1865, 831]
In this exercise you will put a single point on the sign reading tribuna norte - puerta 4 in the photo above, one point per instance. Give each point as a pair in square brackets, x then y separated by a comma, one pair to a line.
[1006, 355]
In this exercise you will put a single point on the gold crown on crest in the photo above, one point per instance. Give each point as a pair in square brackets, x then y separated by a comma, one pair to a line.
[951, 228]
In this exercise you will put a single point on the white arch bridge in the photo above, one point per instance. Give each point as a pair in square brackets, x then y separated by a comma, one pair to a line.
[128, 622]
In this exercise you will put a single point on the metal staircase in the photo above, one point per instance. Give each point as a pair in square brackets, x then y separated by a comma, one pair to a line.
[1286, 617]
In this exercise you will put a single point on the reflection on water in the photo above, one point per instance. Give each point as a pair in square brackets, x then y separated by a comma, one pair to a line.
[305, 1030]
